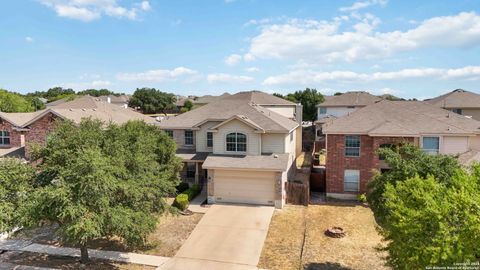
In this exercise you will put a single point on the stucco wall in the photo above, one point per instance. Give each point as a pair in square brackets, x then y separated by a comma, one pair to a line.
[286, 111]
[253, 139]
[179, 138]
[474, 113]
[201, 137]
[337, 111]
[454, 145]
[273, 143]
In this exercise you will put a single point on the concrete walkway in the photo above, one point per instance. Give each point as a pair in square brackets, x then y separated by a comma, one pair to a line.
[196, 204]
[228, 237]
[127, 257]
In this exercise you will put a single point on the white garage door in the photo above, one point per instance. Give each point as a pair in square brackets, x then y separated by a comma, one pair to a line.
[253, 187]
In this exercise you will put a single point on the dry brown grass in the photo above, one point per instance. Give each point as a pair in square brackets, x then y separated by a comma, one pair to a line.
[61, 262]
[358, 250]
[283, 244]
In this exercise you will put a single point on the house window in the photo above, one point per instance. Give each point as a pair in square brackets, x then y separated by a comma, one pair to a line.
[322, 110]
[169, 133]
[236, 142]
[387, 145]
[319, 132]
[352, 146]
[351, 180]
[459, 111]
[190, 170]
[188, 137]
[431, 145]
[209, 139]
[4, 137]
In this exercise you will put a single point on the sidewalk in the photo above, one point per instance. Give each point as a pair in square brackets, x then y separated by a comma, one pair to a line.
[127, 257]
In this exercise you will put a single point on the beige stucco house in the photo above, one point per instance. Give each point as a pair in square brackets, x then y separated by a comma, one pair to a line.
[459, 101]
[242, 146]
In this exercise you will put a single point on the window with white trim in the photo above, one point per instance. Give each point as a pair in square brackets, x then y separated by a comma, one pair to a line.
[352, 146]
[209, 139]
[351, 181]
[431, 145]
[4, 137]
[236, 142]
[188, 137]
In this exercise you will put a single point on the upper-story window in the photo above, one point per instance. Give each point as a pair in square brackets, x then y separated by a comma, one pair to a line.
[322, 110]
[431, 145]
[459, 111]
[209, 139]
[169, 133]
[236, 142]
[4, 137]
[188, 137]
[352, 146]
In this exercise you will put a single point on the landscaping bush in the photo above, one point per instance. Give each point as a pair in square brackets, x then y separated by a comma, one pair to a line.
[181, 201]
[182, 187]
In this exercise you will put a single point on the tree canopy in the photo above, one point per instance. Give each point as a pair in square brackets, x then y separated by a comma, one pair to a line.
[99, 181]
[16, 179]
[428, 208]
[14, 102]
[309, 98]
[97, 93]
[151, 100]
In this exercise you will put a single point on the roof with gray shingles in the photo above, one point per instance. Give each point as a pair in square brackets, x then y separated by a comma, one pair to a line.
[242, 104]
[350, 99]
[458, 98]
[402, 118]
[274, 162]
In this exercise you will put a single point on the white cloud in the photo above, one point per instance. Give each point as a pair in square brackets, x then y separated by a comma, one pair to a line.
[360, 5]
[324, 42]
[29, 39]
[233, 59]
[89, 10]
[160, 75]
[252, 69]
[306, 77]
[227, 78]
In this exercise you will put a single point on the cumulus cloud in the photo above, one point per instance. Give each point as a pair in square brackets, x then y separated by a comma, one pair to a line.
[29, 39]
[325, 42]
[252, 69]
[233, 59]
[305, 77]
[360, 5]
[89, 10]
[160, 75]
[228, 78]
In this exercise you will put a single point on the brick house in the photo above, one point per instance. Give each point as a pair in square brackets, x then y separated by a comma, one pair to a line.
[353, 140]
[19, 131]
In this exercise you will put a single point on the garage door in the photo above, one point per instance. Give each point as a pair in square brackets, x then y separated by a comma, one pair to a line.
[252, 187]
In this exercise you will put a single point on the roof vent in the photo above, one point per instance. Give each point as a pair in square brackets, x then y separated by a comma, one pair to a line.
[449, 129]
[71, 109]
[275, 156]
[83, 109]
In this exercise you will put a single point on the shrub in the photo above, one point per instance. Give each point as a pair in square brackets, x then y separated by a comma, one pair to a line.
[182, 187]
[181, 201]
[362, 198]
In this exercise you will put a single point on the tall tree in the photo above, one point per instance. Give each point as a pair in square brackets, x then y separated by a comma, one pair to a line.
[151, 100]
[309, 98]
[111, 184]
[16, 179]
[97, 93]
[14, 102]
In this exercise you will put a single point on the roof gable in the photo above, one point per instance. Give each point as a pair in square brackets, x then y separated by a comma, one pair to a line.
[350, 99]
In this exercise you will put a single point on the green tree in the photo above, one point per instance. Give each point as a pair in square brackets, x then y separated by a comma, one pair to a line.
[111, 184]
[14, 102]
[433, 223]
[16, 178]
[188, 105]
[97, 93]
[406, 162]
[36, 103]
[57, 93]
[309, 98]
[151, 100]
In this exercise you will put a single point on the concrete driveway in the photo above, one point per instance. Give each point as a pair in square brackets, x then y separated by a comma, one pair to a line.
[228, 237]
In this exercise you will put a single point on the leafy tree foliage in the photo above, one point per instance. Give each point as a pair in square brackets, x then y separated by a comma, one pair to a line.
[100, 181]
[151, 100]
[428, 208]
[309, 98]
[14, 102]
[188, 104]
[97, 93]
[15, 185]
[338, 94]
[36, 103]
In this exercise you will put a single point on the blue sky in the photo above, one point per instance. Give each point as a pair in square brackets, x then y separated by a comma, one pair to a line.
[198, 47]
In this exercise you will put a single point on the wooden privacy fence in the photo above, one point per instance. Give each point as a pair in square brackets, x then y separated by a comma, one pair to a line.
[298, 193]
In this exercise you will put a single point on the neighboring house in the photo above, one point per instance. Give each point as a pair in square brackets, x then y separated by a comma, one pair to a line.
[459, 101]
[19, 130]
[338, 106]
[353, 140]
[203, 100]
[244, 146]
[121, 100]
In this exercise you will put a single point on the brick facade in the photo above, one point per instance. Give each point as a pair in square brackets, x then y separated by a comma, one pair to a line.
[366, 163]
[15, 136]
[39, 130]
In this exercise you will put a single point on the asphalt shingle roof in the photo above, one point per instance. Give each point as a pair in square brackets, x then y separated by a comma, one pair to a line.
[354, 98]
[458, 98]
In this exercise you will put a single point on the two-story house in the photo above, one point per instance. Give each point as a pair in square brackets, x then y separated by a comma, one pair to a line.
[459, 101]
[244, 146]
[338, 106]
[353, 140]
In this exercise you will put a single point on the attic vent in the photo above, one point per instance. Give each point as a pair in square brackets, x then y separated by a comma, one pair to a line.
[275, 156]
[83, 109]
[449, 129]
[71, 109]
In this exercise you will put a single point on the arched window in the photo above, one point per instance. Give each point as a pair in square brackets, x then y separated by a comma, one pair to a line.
[236, 142]
[4, 137]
